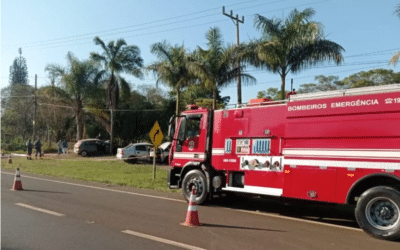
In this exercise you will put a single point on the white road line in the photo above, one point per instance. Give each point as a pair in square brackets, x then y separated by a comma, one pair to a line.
[297, 219]
[39, 209]
[170, 242]
[170, 199]
[100, 188]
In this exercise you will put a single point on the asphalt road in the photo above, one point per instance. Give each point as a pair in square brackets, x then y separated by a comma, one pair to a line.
[98, 216]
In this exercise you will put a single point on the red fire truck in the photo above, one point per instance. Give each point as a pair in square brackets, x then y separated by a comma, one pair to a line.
[338, 146]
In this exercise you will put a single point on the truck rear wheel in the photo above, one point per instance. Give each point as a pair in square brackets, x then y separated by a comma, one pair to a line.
[378, 212]
[195, 178]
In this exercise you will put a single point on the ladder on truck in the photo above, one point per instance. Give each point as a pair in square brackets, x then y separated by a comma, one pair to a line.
[346, 92]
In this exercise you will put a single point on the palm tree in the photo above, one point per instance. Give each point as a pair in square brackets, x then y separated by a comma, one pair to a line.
[396, 56]
[215, 65]
[117, 58]
[78, 81]
[172, 68]
[290, 45]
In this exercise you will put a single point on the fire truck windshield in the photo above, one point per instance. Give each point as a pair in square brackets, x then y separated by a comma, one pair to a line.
[189, 127]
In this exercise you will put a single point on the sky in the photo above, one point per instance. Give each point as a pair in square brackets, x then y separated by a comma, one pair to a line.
[47, 30]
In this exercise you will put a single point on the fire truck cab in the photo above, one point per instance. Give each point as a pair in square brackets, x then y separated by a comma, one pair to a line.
[338, 146]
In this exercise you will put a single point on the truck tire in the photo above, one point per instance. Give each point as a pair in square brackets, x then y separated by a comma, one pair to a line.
[378, 212]
[195, 178]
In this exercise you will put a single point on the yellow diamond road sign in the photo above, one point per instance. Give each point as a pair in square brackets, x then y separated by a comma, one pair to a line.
[156, 135]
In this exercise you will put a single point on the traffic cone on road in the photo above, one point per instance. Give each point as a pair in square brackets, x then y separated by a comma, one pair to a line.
[9, 159]
[17, 182]
[192, 216]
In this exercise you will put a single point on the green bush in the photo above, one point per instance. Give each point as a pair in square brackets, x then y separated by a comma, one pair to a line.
[15, 144]
[18, 145]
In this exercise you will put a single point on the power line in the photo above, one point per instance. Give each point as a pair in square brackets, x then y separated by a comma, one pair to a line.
[173, 29]
[374, 52]
[330, 66]
[142, 24]
[329, 73]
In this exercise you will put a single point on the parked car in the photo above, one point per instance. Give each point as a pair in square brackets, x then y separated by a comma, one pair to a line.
[133, 152]
[91, 146]
[162, 152]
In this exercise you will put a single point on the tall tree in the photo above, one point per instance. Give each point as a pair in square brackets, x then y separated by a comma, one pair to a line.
[270, 93]
[78, 82]
[372, 77]
[117, 58]
[17, 110]
[19, 70]
[172, 68]
[290, 45]
[203, 97]
[324, 83]
[17, 100]
[215, 65]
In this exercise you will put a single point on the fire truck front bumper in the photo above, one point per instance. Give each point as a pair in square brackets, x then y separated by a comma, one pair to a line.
[174, 176]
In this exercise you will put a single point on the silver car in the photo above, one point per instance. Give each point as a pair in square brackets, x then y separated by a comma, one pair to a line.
[134, 152]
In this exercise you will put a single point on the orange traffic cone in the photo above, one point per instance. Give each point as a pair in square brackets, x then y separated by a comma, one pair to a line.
[9, 159]
[17, 182]
[192, 217]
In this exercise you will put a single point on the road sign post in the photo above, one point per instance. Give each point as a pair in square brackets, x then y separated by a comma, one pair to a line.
[156, 137]
[154, 163]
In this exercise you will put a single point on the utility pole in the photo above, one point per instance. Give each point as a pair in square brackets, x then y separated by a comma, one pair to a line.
[239, 85]
[34, 114]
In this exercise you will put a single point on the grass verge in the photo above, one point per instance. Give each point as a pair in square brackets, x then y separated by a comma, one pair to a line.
[97, 169]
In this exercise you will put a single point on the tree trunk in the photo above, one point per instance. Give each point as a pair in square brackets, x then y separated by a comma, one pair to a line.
[84, 130]
[48, 135]
[178, 94]
[112, 99]
[112, 131]
[79, 127]
[214, 98]
[283, 93]
[239, 86]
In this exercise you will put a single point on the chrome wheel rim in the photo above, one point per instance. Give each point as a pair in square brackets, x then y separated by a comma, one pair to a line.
[382, 213]
[197, 183]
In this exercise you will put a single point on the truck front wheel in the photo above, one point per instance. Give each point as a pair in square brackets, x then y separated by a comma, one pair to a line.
[195, 178]
[378, 212]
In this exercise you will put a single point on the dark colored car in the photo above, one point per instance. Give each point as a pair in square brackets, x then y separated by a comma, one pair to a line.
[91, 147]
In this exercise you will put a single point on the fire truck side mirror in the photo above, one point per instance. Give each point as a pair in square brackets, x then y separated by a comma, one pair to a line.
[171, 127]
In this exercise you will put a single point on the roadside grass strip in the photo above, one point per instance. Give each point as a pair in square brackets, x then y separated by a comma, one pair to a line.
[165, 241]
[101, 188]
[39, 209]
[106, 171]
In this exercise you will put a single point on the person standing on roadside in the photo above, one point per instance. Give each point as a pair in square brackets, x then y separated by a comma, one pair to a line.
[29, 147]
[38, 148]
[65, 146]
[59, 146]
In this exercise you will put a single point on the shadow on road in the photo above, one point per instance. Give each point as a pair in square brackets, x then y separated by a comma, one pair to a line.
[334, 214]
[32, 190]
[235, 227]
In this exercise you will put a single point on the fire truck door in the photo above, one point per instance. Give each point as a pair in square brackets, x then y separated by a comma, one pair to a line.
[191, 138]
